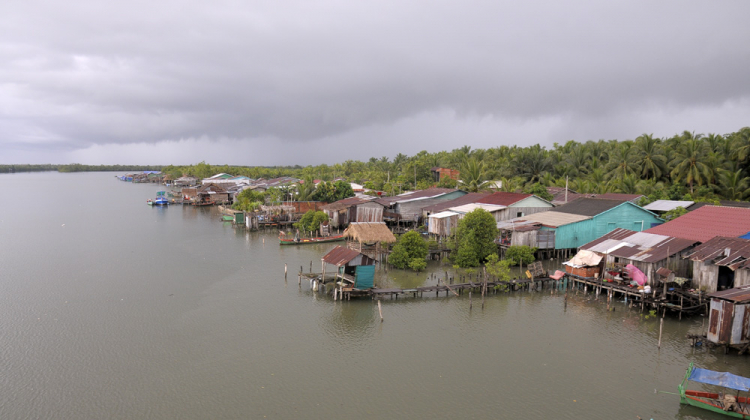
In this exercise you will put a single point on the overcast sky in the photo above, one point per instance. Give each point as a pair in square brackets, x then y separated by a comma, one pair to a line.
[284, 82]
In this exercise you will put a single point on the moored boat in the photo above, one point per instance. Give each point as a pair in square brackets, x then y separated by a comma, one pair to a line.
[314, 240]
[718, 402]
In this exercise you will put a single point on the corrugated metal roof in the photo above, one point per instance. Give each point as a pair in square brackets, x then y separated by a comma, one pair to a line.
[729, 252]
[707, 222]
[738, 294]
[346, 203]
[503, 198]
[340, 256]
[518, 225]
[620, 196]
[415, 195]
[443, 214]
[638, 246]
[466, 208]
[554, 219]
[465, 199]
[588, 206]
[667, 205]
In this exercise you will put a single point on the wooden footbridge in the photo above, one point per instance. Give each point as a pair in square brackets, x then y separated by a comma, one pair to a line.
[676, 301]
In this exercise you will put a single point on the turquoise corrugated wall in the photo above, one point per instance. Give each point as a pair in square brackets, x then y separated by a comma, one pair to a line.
[624, 216]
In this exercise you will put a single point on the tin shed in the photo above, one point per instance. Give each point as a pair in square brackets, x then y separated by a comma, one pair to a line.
[729, 319]
[721, 263]
[352, 266]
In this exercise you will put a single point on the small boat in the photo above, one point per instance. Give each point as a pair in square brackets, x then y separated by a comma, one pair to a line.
[226, 218]
[718, 402]
[315, 240]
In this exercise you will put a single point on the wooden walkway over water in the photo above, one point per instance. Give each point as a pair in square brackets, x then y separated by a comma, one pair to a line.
[675, 301]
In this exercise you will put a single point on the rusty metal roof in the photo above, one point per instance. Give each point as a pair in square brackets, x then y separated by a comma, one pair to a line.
[503, 198]
[738, 294]
[466, 199]
[340, 256]
[345, 203]
[638, 246]
[729, 252]
[588, 206]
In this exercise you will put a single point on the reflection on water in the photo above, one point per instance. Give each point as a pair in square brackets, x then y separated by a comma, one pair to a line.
[128, 311]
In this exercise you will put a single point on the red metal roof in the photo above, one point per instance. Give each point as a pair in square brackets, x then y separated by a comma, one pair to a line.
[706, 223]
[340, 256]
[503, 198]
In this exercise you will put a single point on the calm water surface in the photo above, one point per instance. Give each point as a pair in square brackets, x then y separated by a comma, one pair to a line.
[113, 309]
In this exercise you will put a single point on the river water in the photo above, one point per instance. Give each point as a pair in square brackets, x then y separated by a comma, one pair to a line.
[113, 309]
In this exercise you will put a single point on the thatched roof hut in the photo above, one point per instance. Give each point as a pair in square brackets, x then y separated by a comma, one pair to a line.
[369, 232]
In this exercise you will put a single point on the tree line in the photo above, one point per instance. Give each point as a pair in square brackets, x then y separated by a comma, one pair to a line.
[77, 167]
[687, 165]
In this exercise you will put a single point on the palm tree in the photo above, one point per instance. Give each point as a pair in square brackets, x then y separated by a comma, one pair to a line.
[511, 184]
[628, 184]
[741, 141]
[623, 161]
[688, 163]
[473, 175]
[531, 163]
[653, 161]
[579, 158]
[733, 185]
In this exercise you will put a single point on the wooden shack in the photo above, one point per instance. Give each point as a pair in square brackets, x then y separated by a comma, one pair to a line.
[352, 210]
[367, 237]
[647, 251]
[352, 267]
[721, 263]
[213, 193]
[729, 319]
[442, 224]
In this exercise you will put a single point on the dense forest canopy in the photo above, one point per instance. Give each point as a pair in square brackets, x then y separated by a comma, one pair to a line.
[686, 165]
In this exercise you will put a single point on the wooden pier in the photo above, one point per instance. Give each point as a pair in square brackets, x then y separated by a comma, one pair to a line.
[674, 301]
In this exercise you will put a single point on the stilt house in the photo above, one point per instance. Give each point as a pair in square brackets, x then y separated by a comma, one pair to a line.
[721, 263]
[647, 251]
[352, 267]
[729, 319]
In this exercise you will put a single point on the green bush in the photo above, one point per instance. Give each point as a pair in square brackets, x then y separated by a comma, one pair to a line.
[418, 264]
[517, 254]
[474, 239]
[409, 248]
[311, 221]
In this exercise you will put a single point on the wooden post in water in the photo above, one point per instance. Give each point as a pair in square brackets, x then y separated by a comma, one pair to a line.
[284, 271]
[469, 299]
[311, 266]
[484, 285]
[380, 310]
[661, 326]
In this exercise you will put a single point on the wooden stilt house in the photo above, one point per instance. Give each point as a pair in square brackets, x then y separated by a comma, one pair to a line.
[367, 237]
[355, 269]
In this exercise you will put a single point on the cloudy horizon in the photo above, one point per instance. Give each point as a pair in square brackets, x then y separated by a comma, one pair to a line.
[296, 83]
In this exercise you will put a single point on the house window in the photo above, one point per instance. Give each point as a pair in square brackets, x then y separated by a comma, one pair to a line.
[519, 214]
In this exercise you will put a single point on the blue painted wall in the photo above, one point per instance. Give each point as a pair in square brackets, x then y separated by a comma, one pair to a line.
[627, 216]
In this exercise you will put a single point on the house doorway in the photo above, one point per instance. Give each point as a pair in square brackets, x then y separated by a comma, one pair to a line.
[726, 278]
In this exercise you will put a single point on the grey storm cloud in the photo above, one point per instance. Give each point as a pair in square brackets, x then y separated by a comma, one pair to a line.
[88, 73]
